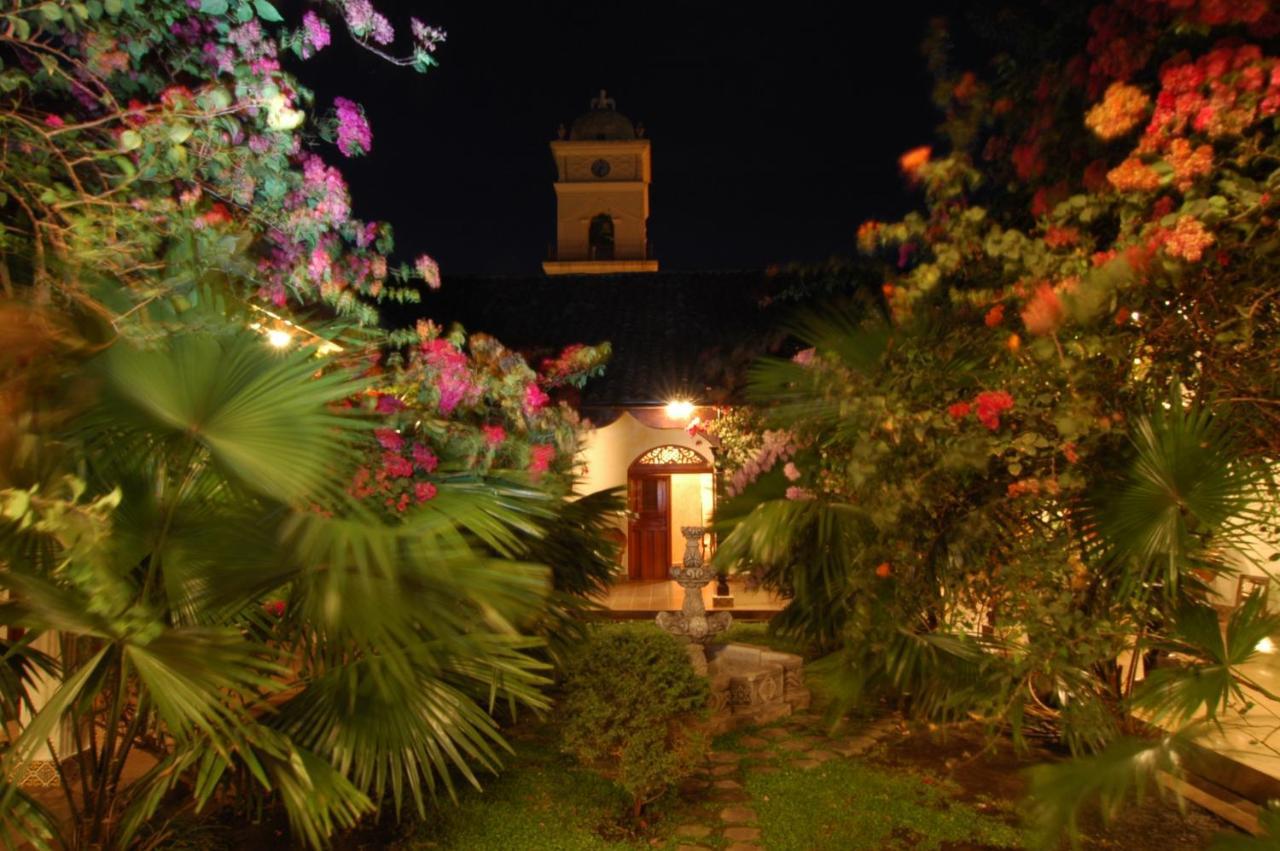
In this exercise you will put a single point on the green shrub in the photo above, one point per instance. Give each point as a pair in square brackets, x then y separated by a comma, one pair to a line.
[633, 710]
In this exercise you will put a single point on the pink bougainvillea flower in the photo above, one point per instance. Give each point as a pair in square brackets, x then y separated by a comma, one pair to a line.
[534, 398]
[428, 270]
[798, 494]
[354, 135]
[791, 471]
[315, 33]
[424, 458]
[804, 357]
[1043, 313]
[423, 491]
[52, 120]
[388, 404]
[389, 438]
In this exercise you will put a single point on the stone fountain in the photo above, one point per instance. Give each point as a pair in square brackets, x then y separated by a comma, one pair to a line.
[692, 622]
[749, 684]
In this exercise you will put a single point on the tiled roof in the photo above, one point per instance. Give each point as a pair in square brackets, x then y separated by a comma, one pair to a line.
[673, 333]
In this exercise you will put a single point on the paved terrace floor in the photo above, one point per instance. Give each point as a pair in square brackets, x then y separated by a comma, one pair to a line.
[636, 598]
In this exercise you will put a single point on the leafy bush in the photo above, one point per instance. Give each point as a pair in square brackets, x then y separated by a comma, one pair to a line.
[633, 704]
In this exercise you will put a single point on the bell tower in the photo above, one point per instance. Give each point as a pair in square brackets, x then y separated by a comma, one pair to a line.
[602, 195]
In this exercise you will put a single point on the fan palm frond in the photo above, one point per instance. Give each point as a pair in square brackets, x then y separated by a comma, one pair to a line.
[262, 416]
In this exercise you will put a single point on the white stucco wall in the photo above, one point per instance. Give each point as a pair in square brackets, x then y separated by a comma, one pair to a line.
[610, 450]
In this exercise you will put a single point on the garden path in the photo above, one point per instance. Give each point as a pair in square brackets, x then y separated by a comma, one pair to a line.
[728, 811]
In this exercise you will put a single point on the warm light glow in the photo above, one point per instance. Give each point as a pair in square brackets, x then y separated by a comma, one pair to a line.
[279, 338]
[679, 409]
[1266, 645]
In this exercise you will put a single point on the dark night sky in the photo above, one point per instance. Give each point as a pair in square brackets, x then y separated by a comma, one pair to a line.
[775, 132]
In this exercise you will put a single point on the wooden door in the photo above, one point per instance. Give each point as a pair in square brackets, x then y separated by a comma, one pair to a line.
[649, 538]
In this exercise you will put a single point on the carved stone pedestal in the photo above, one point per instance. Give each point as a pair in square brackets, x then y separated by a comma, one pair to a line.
[753, 685]
[692, 622]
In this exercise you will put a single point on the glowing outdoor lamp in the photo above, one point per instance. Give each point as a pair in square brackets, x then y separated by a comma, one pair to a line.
[679, 409]
[279, 338]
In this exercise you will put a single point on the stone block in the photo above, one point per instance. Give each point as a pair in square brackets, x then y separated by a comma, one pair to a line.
[742, 834]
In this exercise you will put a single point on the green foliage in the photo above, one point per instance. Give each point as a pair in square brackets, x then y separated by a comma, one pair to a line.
[632, 704]
[1033, 465]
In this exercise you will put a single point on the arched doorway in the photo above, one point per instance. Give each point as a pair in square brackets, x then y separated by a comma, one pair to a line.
[650, 502]
[600, 237]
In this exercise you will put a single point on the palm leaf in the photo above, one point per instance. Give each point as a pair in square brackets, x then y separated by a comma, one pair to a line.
[263, 417]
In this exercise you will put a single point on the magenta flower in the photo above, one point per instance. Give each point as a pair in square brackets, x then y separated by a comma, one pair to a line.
[388, 404]
[354, 136]
[534, 399]
[52, 120]
[315, 33]
[423, 491]
[425, 458]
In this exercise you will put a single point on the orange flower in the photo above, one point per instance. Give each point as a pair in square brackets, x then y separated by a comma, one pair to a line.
[915, 159]
[1043, 313]
[1188, 240]
[1188, 164]
[966, 87]
[1014, 343]
[1122, 107]
[867, 234]
[883, 570]
[1059, 237]
[994, 316]
[1133, 175]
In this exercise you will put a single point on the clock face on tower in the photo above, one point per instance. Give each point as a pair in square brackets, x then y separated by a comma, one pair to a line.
[600, 168]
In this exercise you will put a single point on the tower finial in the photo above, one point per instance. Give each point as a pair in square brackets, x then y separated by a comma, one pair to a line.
[603, 101]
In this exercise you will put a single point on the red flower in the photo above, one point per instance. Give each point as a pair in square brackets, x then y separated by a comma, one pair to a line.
[1069, 452]
[959, 410]
[989, 404]
[883, 569]
[389, 439]
[397, 466]
[540, 457]
[994, 316]
[275, 608]
[217, 214]
[494, 435]
[423, 491]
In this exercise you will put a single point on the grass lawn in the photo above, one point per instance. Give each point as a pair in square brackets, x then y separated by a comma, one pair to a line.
[543, 801]
[848, 804]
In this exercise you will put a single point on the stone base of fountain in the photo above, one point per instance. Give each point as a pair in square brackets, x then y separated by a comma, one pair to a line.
[753, 685]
